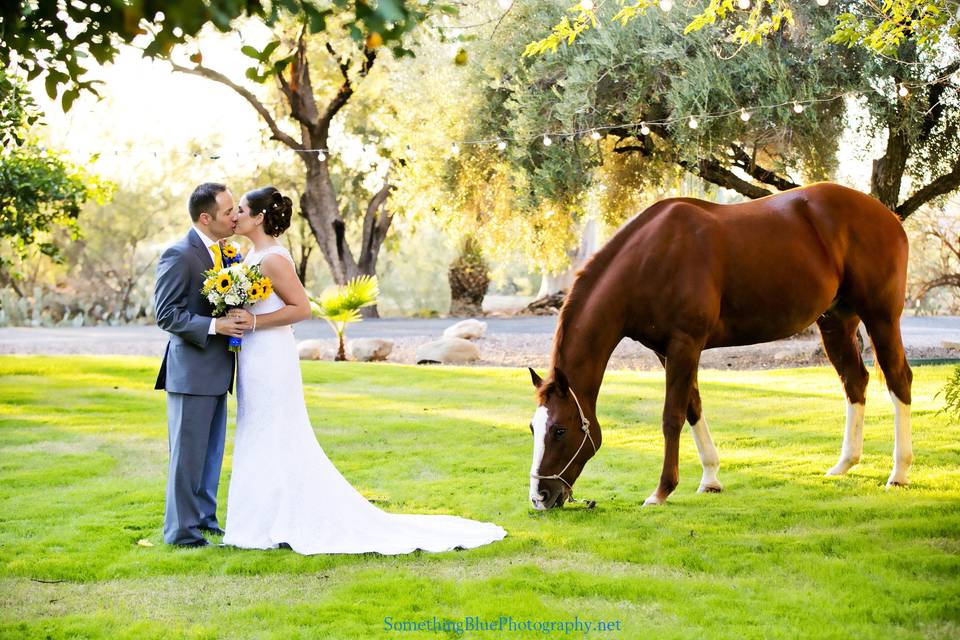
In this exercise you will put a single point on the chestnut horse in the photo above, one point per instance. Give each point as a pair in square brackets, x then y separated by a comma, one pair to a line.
[688, 275]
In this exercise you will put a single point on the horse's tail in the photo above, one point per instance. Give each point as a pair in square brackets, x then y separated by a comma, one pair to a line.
[876, 364]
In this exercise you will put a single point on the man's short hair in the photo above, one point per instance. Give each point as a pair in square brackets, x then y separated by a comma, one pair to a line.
[204, 198]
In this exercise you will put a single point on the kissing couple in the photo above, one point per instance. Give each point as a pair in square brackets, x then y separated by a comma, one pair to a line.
[284, 491]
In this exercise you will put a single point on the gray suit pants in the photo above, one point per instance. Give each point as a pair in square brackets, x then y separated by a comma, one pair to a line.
[197, 427]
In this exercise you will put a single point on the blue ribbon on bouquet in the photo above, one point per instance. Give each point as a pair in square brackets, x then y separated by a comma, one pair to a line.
[234, 343]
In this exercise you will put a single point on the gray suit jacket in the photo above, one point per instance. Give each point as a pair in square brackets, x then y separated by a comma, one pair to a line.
[195, 362]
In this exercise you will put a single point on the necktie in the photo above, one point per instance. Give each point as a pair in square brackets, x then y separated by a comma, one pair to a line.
[217, 259]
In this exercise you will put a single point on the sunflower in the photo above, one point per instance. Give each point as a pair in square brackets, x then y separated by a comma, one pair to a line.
[254, 293]
[224, 282]
[266, 288]
[229, 251]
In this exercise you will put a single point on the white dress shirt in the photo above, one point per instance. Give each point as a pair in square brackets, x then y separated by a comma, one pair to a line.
[207, 242]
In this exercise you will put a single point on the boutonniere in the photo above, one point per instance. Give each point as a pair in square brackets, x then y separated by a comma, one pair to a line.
[230, 253]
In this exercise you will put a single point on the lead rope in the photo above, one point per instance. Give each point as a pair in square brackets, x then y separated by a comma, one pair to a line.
[585, 426]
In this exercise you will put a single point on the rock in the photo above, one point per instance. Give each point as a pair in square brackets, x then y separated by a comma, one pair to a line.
[369, 349]
[949, 344]
[310, 349]
[467, 329]
[447, 351]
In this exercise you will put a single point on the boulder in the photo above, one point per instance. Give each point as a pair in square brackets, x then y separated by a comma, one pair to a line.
[310, 349]
[369, 349]
[447, 351]
[467, 329]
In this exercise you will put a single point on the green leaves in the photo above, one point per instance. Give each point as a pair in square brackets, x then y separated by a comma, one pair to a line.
[342, 303]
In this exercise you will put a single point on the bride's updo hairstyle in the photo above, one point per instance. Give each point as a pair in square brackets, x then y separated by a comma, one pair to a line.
[275, 207]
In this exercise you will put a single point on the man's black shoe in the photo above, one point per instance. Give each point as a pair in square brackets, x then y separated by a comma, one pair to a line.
[214, 531]
[202, 542]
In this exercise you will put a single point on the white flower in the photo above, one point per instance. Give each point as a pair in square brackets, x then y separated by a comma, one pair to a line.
[232, 299]
[212, 298]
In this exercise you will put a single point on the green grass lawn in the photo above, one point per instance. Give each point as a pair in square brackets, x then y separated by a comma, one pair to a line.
[783, 553]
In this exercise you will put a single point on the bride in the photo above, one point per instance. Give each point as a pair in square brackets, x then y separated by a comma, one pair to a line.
[283, 489]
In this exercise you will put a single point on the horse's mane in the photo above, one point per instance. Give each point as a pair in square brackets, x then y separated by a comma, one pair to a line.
[583, 284]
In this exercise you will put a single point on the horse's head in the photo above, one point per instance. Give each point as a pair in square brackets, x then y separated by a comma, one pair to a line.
[563, 440]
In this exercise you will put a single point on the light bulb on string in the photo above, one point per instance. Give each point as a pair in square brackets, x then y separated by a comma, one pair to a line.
[666, 5]
[692, 123]
[903, 92]
[644, 129]
[823, 3]
[501, 145]
[586, 5]
[744, 115]
[454, 148]
[321, 156]
[595, 135]
[797, 107]
[505, 4]
[743, 4]
[547, 141]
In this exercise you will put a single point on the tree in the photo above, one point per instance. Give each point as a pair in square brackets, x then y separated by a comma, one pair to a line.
[54, 38]
[879, 27]
[911, 97]
[40, 191]
[312, 103]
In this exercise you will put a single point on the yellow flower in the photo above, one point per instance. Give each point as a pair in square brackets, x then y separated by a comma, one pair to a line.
[254, 293]
[267, 288]
[224, 282]
[229, 251]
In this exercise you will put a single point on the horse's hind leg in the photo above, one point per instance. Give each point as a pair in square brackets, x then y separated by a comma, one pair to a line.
[709, 459]
[888, 345]
[838, 329]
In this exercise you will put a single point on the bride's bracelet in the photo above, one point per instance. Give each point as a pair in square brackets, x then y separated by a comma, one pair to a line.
[254, 330]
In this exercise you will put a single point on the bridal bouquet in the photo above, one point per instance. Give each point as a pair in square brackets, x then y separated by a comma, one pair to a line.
[233, 286]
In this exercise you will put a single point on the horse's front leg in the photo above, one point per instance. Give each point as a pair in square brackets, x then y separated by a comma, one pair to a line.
[683, 357]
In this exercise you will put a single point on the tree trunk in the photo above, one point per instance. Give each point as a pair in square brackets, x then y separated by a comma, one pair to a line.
[552, 284]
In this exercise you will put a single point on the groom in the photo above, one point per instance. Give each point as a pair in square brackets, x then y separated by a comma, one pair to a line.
[197, 369]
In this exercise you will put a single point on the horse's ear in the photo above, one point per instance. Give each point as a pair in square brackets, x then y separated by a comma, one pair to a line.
[560, 378]
[537, 380]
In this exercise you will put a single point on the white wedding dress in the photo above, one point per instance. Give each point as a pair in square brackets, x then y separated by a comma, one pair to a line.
[283, 489]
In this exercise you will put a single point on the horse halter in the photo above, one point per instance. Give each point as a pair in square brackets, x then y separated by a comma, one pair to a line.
[585, 425]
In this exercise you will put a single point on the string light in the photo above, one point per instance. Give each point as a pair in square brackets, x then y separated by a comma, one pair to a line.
[743, 4]
[903, 92]
[321, 156]
[501, 145]
[666, 5]
[505, 4]
[547, 141]
[586, 5]
[797, 107]
[823, 3]
[595, 135]
[744, 115]
[644, 129]
[693, 124]
[455, 148]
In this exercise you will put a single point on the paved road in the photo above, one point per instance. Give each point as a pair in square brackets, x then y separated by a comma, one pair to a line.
[917, 332]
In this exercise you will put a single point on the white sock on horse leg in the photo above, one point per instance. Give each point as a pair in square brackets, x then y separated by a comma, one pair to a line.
[852, 447]
[709, 459]
[902, 443]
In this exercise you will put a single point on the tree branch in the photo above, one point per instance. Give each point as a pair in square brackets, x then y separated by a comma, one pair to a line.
[299, 90]
[711, 170]
[346, 89]
[748, 164]
[939, 187]
[216, 76]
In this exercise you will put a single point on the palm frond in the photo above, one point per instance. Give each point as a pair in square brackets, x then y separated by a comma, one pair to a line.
[340, 303]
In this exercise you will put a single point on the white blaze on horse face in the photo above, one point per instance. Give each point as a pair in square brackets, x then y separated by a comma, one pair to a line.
[852, 440]
[902, 445]
[539, 445]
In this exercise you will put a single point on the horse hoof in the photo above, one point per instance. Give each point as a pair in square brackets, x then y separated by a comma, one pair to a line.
[710, 488]
[897, 483]
[654, 501]
[839, 469]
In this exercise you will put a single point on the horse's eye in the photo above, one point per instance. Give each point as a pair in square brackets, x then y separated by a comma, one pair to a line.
[558, 433]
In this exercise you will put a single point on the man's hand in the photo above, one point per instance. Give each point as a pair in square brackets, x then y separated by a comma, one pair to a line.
[229, 326]
[243, 317]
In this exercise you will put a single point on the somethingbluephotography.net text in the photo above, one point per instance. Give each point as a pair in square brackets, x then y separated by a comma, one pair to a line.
[502, 624]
